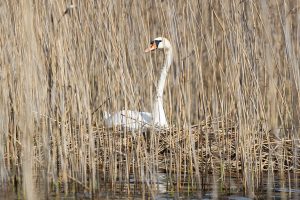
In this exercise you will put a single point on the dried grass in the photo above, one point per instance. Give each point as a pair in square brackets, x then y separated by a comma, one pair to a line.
[232, 95]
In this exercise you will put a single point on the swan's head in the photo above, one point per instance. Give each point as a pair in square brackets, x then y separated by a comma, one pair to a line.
[159, 43]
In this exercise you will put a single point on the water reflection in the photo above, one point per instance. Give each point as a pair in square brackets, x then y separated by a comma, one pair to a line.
[162, 188]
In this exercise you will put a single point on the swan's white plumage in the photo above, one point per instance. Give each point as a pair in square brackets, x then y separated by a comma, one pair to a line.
[134, 120]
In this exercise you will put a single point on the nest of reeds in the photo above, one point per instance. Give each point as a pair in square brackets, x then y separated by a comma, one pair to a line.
[210, 145]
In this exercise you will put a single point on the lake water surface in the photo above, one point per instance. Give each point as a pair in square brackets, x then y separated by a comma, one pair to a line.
[211, 188]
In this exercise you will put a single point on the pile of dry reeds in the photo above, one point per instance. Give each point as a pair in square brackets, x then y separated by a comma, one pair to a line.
[235, 75]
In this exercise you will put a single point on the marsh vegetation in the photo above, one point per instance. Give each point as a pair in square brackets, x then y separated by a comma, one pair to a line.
[231, 97]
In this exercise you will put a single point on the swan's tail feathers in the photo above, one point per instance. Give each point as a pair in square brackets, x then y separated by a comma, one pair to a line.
[106, 115]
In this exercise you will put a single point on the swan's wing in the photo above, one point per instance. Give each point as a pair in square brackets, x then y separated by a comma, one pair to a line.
[106, 115]
[133, 120]
[147, 117]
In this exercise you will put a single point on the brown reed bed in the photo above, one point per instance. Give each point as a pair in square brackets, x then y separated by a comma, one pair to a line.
[231, 98]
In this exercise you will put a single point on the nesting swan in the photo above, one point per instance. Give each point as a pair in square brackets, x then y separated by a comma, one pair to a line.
[134, 120]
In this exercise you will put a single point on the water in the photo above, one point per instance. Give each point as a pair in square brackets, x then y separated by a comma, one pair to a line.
[231, 188]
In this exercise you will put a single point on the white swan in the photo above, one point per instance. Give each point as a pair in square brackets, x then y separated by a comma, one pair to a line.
[134, 120]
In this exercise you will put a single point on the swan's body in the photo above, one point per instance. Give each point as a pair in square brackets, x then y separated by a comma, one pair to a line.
[135, 120]
[132, 120]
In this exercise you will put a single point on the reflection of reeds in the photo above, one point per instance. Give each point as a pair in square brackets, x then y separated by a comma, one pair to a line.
[232, 95]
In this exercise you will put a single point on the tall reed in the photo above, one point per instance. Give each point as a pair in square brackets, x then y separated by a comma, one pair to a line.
[232, 95]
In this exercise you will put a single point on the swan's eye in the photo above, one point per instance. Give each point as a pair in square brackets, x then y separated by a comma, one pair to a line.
[157, 42]
[153, 45]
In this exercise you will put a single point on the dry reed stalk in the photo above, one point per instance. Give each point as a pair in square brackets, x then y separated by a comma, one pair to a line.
[232, 95]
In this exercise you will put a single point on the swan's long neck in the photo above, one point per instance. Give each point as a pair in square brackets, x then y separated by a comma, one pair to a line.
[164, 73]
[158, 112]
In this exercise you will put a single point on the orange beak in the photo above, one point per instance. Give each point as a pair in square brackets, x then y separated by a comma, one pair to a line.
[151, 48]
